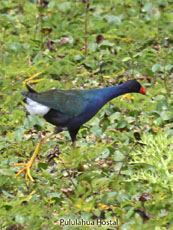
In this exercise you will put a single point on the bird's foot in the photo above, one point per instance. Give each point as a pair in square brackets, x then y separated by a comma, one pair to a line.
[26, 168]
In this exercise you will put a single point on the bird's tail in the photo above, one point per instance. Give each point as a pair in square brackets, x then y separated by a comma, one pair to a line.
[30, 89]
[26, 94]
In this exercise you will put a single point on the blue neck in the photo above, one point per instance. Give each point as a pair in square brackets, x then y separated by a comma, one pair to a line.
[109, 93]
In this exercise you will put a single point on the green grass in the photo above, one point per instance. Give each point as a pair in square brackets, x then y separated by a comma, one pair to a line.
[126, 148]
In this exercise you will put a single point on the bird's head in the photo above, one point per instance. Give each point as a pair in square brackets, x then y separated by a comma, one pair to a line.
[134, 86]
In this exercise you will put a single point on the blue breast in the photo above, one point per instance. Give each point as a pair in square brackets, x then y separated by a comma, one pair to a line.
[90, 110]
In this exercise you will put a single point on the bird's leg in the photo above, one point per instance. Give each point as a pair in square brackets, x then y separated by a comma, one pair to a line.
[81, 167]
[73, 144]
[28, 165]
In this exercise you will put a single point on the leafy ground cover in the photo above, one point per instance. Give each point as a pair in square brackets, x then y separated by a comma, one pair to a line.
[126, 149]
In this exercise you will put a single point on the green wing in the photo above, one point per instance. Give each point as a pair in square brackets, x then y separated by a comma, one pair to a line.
[69, 102]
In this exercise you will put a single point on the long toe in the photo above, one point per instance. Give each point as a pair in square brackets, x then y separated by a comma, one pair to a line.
[26, 169]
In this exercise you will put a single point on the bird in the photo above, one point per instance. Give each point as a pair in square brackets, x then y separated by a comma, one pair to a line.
[70, 109]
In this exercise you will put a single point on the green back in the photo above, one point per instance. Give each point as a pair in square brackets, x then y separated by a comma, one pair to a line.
[70, 102]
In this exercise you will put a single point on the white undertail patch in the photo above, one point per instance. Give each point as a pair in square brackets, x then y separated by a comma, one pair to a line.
[34, 107]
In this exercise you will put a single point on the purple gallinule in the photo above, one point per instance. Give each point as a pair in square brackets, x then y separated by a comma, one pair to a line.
[69, 109]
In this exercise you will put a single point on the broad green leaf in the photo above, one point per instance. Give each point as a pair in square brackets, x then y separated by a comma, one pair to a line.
[19, 219]
[42, 165]
[122, 124]
[64, 7]
[156, 68]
